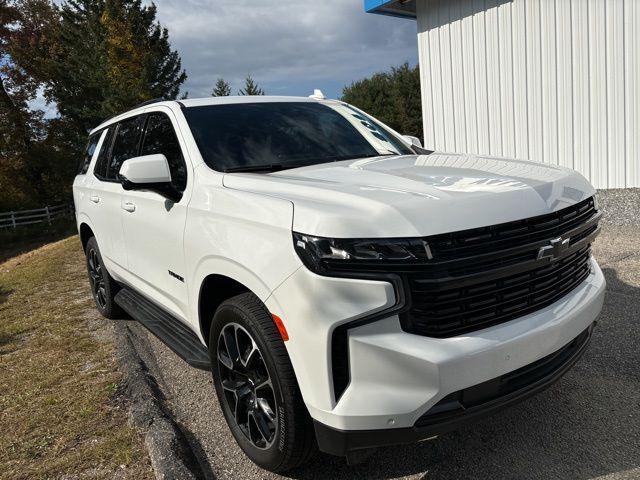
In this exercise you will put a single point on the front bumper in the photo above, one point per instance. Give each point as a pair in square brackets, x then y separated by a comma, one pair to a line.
[397, 377]
[463, 406]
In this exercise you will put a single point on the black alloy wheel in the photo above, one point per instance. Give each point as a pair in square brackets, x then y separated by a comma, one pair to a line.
[247, 386]
[103, 287]
[257, 387]
[96, 277]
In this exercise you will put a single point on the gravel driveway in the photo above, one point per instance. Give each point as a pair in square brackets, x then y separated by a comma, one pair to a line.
[585, 426]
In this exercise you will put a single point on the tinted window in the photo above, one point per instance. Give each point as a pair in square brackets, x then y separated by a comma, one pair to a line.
[377, 130]
[89, 150]
[160, 137]
[100, 168]
[287, 133]
[125, 145]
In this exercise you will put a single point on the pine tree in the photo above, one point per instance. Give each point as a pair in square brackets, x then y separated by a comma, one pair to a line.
[250, 87]
[93, 59]
[222, 88]
[110, 55]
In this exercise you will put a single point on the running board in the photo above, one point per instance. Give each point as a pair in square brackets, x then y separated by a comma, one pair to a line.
[171, 331]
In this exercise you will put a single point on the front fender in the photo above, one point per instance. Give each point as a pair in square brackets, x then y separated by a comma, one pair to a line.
[241, 235]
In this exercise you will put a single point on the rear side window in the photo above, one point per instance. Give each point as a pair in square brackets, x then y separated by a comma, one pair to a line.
[125, 145]
[160, 137]
[100, 168]
[89, 150]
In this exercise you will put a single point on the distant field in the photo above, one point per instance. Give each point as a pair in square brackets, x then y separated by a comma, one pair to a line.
[61, 408]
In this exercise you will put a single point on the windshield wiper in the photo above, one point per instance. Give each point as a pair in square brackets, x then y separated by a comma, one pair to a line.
[274, 167]
[268, 167]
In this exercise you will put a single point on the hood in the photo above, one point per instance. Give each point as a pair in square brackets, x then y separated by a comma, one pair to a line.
[416, 195]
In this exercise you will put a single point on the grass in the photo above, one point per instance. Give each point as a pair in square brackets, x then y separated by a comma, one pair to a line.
[29, 237]
[62, 411]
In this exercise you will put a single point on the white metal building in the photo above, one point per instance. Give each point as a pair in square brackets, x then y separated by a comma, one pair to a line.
[556, 81]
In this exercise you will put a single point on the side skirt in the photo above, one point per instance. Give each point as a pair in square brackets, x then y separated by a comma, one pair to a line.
[167, 328]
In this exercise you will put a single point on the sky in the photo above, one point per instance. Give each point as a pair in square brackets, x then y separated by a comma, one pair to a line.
[290, 47]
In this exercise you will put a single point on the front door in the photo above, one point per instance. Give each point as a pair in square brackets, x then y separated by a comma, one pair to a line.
[154, 226]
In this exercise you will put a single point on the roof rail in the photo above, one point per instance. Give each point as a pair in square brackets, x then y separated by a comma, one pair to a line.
[148, 102]
[143, 104]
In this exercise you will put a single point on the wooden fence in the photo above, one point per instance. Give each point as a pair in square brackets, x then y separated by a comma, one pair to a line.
[38, 215]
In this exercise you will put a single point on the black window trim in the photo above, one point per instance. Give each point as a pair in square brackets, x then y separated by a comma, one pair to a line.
[175, 132]
[116, 127]
[115, 136]
[110, 139]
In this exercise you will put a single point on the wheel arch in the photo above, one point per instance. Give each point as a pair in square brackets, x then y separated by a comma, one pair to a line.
[86, 233]
[214, 290]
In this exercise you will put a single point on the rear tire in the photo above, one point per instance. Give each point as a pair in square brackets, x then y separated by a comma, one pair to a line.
[256, 386]
[103, 287]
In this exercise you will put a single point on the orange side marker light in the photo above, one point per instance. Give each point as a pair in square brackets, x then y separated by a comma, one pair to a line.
[281, 328]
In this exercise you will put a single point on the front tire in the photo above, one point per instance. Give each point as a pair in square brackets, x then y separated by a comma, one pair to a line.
[256, 386]
[103, 287]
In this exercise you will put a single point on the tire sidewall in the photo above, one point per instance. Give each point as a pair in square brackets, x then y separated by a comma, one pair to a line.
[273, 456]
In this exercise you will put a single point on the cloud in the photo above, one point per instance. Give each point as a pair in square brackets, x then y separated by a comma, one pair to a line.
[288, 46]
[50, 110]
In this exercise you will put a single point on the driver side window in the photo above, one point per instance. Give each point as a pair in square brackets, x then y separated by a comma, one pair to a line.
[160, 137]
[125, 145]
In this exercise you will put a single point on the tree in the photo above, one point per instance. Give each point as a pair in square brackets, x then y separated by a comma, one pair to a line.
[250, 87]
[17, 85]
[12, 121]
[92, 59]
[393, 97]
[22, 131]
[110, 56]
[222, 88]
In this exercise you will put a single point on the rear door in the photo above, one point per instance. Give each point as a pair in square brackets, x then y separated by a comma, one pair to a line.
[122, 142]
[83, 181]
[154, 225]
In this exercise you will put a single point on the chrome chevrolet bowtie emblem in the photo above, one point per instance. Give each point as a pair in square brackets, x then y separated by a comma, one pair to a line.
[554, 250]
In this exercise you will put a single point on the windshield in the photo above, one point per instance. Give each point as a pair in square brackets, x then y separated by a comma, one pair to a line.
[274, 136]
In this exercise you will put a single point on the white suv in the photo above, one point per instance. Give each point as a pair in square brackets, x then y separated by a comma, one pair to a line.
[347, 288]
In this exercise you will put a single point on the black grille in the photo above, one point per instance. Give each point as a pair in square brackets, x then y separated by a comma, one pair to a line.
[477, 278]
[490, 275]
[512, 234]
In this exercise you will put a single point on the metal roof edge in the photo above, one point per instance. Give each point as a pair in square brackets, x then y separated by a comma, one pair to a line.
[393, 8]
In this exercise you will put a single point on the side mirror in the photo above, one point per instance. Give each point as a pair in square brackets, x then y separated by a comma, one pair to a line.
[415, 141]
[149, 172]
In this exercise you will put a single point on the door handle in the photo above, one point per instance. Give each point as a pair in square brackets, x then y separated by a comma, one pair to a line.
[129, 207]
[95, 198]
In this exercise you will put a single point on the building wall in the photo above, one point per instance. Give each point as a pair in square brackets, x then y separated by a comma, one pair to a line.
[556, 81]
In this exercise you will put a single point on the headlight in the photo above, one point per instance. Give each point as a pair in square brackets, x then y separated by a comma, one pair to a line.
[324, 255]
